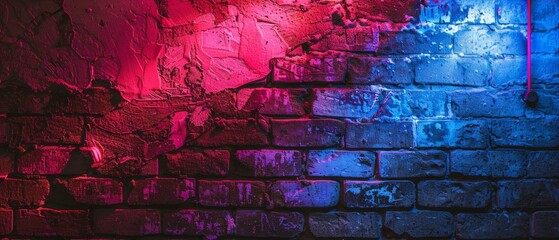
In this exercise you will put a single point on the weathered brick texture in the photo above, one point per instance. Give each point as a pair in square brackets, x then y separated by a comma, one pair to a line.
[379, 194]
[278, 119]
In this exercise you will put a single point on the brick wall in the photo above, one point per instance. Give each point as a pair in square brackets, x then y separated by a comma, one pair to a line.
[403, 120]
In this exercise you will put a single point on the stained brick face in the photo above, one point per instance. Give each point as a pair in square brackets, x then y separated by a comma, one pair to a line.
[361, 119]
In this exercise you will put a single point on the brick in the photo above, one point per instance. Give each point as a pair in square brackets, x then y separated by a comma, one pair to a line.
[235, 132]
[408, 164]
[126, 222]
[548, 15]
[314, 68]
[379, 194]
[52, 223]
[454, 194]
[545, 42]
[345, 224]
[231, 193]
[162, 191]
[511, 12]
[509, 71]
[541, 73]
[544, 224]
[464, 11]
[272, 101]
[271, 162]
[307, 133]
[452, 134]
[92, 191]
[497, 164]
[6, 221]
[390, 10]
[453, 71]
[415, 42]
[525, 133]
[256, 223]
[402, 104]
[47, 130]
[47, 160]
[339, 102]
[198, 163]
[415, 104]
[380, 135]
[339, 163]
[528, 194]
[208, 223]
[307, 194]
[6, 162]
[505, 225]
[543, 164]
[487, 103]
[369, 70]
[129, 167]
[19, 192]
[354, 39]
[421, 224]
[485, 41]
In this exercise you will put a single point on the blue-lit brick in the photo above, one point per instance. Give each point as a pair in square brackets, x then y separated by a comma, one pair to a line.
[454, 194]
[528, 194]
[498, 164]
[481, 40]
[380, 135]
[338, 163]
[452, 134]
[525, 133]
[509, 71]
[415, 42]
[487, 103]
[298, 194]
[453, 71]
[458, 11]
[545, 42]
[412, 164]
[351, 103]
[371, 70]
[504, 225]
[420, 224]
[545, 14]
[345, 224]
[511, 11]
[379, 194]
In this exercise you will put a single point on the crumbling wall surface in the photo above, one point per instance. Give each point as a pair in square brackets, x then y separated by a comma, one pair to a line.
[243, 119]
